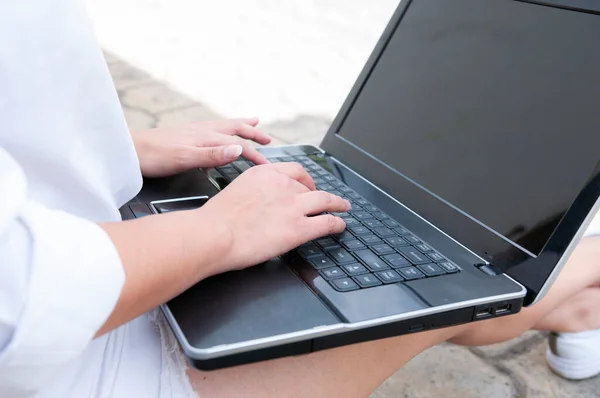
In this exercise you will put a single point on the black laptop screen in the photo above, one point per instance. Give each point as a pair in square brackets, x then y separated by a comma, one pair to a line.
[485, 116]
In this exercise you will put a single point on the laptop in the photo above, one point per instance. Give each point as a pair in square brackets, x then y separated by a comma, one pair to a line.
[468, 148]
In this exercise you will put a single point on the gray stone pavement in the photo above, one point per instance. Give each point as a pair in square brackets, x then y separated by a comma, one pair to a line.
[514, 369]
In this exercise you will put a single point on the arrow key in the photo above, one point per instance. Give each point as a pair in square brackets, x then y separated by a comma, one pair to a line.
[344, 284]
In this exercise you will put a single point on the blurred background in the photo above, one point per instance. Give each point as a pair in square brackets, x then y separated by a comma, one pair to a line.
[280, 60]
[291, 63]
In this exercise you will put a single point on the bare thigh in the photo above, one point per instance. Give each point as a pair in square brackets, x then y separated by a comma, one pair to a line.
[357, 370]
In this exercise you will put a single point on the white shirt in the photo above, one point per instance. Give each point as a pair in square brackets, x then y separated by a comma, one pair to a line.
[66, 162]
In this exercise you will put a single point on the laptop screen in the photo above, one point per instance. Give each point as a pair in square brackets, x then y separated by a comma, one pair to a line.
[485, 114]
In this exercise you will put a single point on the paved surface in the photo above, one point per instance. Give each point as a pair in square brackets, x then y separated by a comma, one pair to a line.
[291, 63]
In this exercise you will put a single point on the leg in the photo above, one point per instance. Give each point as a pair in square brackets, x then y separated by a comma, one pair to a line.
[579, 314]
[355, 371]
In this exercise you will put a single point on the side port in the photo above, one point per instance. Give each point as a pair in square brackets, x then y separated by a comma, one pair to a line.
[503, 309]
[481, 313]
[416, 328]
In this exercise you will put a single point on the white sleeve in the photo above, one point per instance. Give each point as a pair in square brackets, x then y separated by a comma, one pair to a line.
[60, 277]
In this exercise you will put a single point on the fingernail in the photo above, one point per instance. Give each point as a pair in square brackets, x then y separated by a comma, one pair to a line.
[232, 151]
[348, 205]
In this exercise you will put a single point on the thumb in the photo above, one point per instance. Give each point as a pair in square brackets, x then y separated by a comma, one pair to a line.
[217, 155]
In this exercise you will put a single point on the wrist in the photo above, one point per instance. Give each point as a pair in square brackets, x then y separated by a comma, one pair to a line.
[211, 238]
[142, 148]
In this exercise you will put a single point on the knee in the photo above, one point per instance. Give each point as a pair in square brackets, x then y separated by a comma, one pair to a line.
[584, 317]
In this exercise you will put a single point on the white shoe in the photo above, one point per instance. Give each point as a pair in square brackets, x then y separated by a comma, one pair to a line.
[574, 356]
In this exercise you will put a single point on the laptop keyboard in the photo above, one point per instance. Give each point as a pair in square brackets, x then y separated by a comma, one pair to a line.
[374, 250]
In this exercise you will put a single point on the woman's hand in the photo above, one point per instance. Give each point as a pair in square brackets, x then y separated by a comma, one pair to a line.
[266, 211]
[166, 151]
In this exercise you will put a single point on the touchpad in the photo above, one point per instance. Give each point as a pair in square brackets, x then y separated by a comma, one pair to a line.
[166, 206]
[258, 302]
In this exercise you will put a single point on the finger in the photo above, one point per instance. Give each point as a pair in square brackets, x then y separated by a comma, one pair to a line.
[253, 121]
[244, 128]
[248, 150]
[213, 156]
[251, 153]
[295, 172]
[326, 224]
[316, 202]
[299, 188]
[252, 133]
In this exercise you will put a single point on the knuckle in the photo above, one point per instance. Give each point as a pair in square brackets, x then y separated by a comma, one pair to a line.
[214, 153]
[331, 222]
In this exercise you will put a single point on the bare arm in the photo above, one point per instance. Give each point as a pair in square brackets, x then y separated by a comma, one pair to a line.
[162, 256]
[261, 215]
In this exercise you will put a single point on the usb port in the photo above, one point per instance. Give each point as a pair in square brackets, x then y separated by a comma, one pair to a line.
[416, 328]
[483, 313]
[503, 309]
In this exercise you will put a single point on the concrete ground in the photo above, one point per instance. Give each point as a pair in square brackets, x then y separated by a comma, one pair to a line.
[291, 63]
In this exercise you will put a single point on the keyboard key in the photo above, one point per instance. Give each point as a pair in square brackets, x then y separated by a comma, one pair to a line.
[318, 181]
[382, 249]
[310, 251]
[354, 245]
[241, 165]
[402, 231]
[360, 231]
[391, 223]
[355, 269]
[373, 223]
[424, 248]
[352, 222]
[431, 269]
[337, 184]
[389, 276]
[227, 170]
[362, 202]
[396, 260]
[340, 255]
[371, 260]
[410, 273]
[344, 284]
[367, 280]
[448, 267]
[287, 159]
[384, 232]
[413, 255]
[343, 236]
[370, 239]
[342, 215]
[328, 177]
[324, 187]
[396, 241]
[352, 195]
[380, 216]
[332, 273]
[324, 174]
[412, 239]
[320, 262]
[371, 208]
[346, 190]
[437, 257]
[362, 215]
[327, 242]
[304, 161]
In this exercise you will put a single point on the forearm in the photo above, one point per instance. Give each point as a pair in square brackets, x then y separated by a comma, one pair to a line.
[162, 256]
